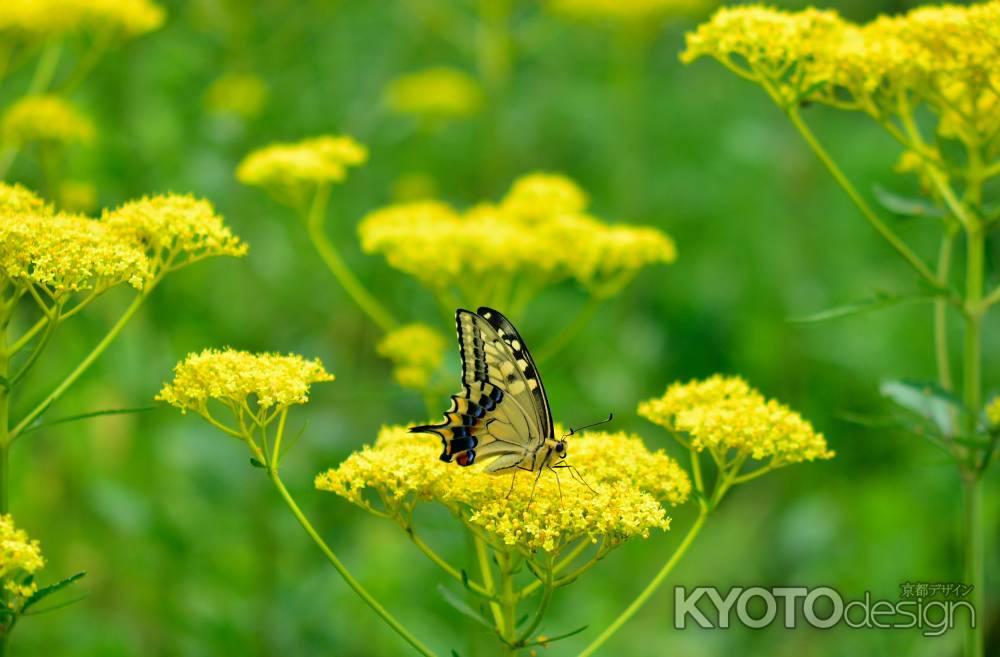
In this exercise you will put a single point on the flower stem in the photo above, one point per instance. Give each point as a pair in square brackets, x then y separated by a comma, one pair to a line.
[353, 583]
[894, 240]
[650, 588]
[82, 367]
[4, 429]
[487, 573]
[328, 252]
[941, 350]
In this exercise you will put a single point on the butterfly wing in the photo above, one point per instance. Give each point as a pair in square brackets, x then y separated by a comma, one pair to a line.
[502, 412]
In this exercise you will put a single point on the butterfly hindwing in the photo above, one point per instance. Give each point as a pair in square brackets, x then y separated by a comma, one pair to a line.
[501, 412]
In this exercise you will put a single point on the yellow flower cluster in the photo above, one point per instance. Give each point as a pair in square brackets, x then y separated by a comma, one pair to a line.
[438, 92]
[237, 378]
[174, 229]
[290, 171]
[724, 414]
[62, 253]
[241, 94]
[45, 119]
[627, 11]
[629, 485]
[539, 229]
[20, 558]
[32, 19]
[77, 196]
[947, 57]
[993, 413]
[416, 351]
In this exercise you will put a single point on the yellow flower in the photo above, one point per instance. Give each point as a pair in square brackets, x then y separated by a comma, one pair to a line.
[77, 196]
[291, 171]
[416, 351]
[629, 485]
[434, 93]
[539, 196]
[631, 11]
[538, 232]
[242, 94]
[993, 413]
[20, 558]
[46, 119]
[724, 413]
[239, 378]
[39, 18]
[175, 230]
[66, 253]
[17, 199]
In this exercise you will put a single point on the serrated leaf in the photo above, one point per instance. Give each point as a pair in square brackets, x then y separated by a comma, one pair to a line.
[880, 301]
[462, 606]
[46, 591]
[927, 400]
[906, 206]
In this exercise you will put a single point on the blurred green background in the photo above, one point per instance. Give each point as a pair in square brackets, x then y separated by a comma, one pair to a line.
[188, 549]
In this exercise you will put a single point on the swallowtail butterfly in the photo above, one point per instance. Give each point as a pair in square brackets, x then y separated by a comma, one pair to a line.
[502, 412]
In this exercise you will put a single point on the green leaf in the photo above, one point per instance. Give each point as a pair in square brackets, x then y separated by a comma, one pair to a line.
[85, 416]
[49, 590]
[927, 400]
[4, 383]
[906, 206]
[565, 636]
[462, 606]
[880, 301]
[257, 464]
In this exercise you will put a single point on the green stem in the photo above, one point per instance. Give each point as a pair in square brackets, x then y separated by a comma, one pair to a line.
[353, 583]
[650, 588]
[444, 565]
[508, 603]
[85, 364]
[365, 300]
[543, 606]
[45, 70]
[487, 573]
[887, 233]
[5, 437]
[941, 350]
[975, 572]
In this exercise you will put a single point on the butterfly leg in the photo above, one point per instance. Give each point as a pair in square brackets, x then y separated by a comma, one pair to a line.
[512, 480]
[537, 477]
[558, 484]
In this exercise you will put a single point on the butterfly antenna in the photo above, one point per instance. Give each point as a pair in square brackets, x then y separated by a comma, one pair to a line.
[611, 416]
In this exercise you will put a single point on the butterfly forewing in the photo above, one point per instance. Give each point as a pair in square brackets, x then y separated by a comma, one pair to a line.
[502, 411]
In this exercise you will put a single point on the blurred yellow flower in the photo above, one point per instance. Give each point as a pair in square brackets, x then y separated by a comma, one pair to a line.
[993, 413]
[17, 199]
[625, 502]
[542, 196]
[290, 171]
[242, 94]
[66, 253]
[45, 119]
[723, 413]
[414, 186]
[538, 231]
[20, 558]
[631, 11]
[175, 230]
[434, 93]
[41, 18]
[416, 350]
[240, 379]
[77, 196]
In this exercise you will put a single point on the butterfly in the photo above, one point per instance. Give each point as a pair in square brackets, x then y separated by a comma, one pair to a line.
[502, 412]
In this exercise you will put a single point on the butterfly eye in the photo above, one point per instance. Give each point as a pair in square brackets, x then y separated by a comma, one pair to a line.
[560, 447]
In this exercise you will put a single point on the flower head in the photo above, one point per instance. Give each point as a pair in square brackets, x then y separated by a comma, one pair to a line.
[547, 515]
[17, 199]
[240, 94]
[238, 378]
[289, 171]
[175, 229]
[45, 119]
[416, 350]
[20, 558]
[434, 93]
[65, 253]
[539, 231]
[724, 414]
[77, 196]
[33, 19]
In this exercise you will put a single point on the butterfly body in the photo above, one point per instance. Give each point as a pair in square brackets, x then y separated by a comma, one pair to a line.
[502, 413]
